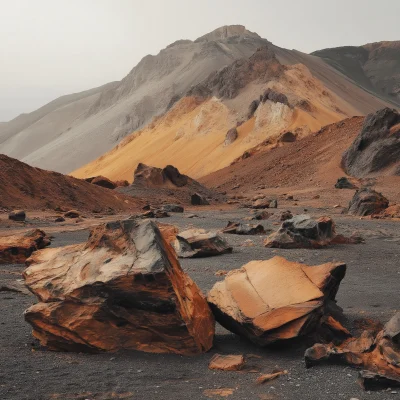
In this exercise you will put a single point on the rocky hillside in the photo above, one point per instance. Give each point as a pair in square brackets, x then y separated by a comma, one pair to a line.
[375, 66]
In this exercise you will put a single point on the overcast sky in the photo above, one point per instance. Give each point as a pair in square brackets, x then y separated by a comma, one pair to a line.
[53, 47]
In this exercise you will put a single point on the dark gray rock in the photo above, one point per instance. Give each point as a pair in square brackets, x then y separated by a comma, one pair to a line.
[367, 202]
[17, 215]
[172, 208]
[231, 136]
[198, 200]
[344, 183]
[237, 228]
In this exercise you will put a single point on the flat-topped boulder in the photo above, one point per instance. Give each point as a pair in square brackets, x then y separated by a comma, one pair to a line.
[273, 300]
[15, 249]
[196, 243]
[237, 228]
[122, 289]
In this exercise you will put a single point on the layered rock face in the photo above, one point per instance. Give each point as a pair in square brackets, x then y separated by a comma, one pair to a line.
[16, 249]
[123, 289]
[272, 300]
[367, 202]
[376, 150]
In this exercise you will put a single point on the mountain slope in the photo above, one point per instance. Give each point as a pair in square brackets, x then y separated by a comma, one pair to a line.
[191, 136]
[67, 139]
[374, 66]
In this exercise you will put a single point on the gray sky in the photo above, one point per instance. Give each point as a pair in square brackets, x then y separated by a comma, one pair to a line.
[53, 47]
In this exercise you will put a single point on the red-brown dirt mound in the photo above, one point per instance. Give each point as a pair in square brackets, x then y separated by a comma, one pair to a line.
[23, 186]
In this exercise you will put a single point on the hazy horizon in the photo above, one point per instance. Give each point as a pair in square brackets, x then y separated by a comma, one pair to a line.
[52, 48]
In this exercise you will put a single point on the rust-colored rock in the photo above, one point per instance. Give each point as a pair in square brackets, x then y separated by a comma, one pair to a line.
[367, 202]
[261, 203]
[273, 300]
[378, 356]
[227, 362]
[103, 182]
[237, 228]
[16, 249]
[196, 243]
[169, 176]
[72, 214]
[123, 289]
[270, 377]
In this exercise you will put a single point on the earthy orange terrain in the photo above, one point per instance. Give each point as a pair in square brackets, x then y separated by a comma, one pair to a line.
[23, 186]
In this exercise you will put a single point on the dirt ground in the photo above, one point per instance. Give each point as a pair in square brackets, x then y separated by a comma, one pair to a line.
[369, 290]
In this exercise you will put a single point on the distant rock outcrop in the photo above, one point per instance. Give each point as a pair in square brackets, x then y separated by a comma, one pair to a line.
[231, 136]
[376, 150]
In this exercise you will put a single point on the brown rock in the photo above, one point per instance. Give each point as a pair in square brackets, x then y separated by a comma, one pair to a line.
[72, 214]
[169, 176]
[238, 228]
[273, 300]
[196, 243]
[261, 203]
[367, 202]
[17, 215]
[286, 215]
[16, 249]
[378, 355]
[103, 182]
[270, 377]
[123, 183]
[231, 136]
[227, 362]
[287, 137]
[59, 219]
[262, 215]
[123, 289]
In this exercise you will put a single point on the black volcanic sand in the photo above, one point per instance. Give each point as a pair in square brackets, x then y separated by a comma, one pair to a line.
[371, 289]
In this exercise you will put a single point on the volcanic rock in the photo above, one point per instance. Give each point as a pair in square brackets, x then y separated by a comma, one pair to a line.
[286, 215]
[377, 148]
[378, 355]
[123, 289]
[238, 228]
[231, 136]
[103, 182]
[198, 200]
[273, 300]
[17, 215]
[344, 183]
[275, 97]
[227, 362]
[172, 208]
[367, 202]
[16, 249]
[196, 243]
[72, 214]
[287, 137]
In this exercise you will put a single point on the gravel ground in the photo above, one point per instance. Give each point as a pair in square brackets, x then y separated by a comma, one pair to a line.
[371, 288]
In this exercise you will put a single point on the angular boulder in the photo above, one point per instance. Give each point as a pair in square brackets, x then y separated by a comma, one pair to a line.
[273, 300]
[123, 289]
[17, 215]
[367, 202]
[261, 215]
[376, 150]
[237, 228]
[172, 208]
[378, 355]
[344, 183]
[230, 362]
[261, 204]
[103, 182]
[16, 249]
[198, 200]
[169, 176]
[196, 243]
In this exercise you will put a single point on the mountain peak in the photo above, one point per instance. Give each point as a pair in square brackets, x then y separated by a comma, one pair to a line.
[227, 31]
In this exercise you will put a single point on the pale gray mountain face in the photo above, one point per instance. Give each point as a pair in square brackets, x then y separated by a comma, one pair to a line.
[75, 129]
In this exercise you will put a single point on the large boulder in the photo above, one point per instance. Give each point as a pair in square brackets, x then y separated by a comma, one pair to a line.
[172, 208]
[17, 215]
[123, 289]
[378, 355]
[273, 300]
[237, 228]
[377, 147]
[196, 243]
[169, 176]
[303, 232]
[16, 249]
[367, 202]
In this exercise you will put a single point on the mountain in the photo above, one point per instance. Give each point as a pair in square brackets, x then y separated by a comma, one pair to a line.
[72, 131]
[258, 98]
[374, 66]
